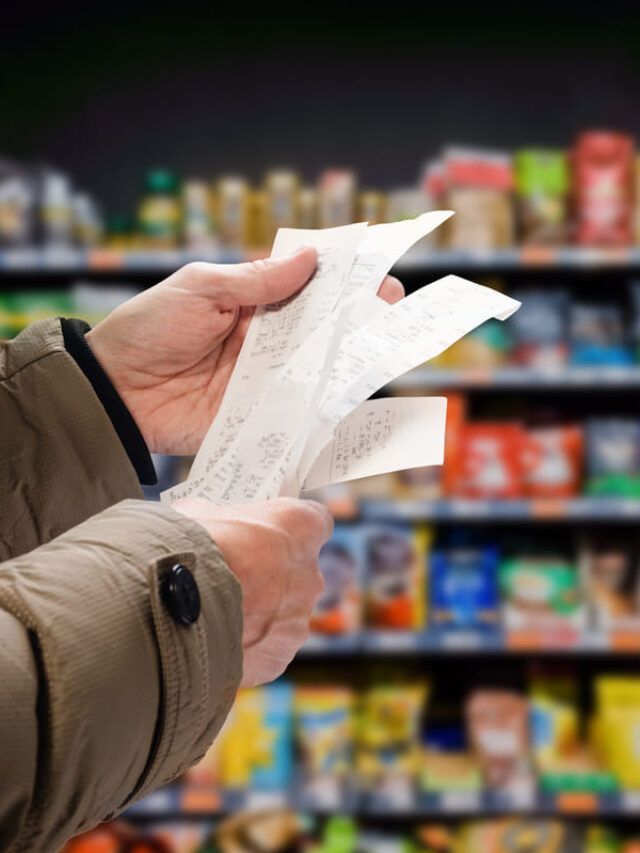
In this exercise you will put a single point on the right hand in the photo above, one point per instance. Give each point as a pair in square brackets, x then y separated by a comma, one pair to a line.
[272, 548]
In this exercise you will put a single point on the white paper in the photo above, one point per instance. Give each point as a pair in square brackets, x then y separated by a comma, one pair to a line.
[294, 411]
[276, 332]
[414, 330]
[380, 436]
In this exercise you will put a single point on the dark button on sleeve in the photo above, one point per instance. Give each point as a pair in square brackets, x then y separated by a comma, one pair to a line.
[181, 595]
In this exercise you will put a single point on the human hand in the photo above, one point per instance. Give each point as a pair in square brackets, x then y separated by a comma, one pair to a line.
[170, 350]
[272, 548]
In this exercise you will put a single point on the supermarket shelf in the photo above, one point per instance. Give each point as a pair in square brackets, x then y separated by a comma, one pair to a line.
[566, 257]
[186, 803]
[473, 642]
[62, 260]
[521, 510]
[82, 261]
[577, 378]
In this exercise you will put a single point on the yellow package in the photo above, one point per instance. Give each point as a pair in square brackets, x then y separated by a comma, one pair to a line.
[388, 735]
[617, 727]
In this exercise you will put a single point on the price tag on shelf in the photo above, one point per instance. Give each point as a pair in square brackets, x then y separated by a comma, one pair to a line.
[630, 801]
[462, 640]
[538, 256]
[577, 802]
[258, 800]
[460, 801]
[392, 641]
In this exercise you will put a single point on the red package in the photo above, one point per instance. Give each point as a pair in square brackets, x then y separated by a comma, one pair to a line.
[602, 183]
[553, 462]
[490, 461]
[456, 416]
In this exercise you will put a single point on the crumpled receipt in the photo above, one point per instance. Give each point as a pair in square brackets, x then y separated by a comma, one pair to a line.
[296, 414]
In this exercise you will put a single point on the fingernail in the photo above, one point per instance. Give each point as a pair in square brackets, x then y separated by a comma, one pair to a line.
[301, 249]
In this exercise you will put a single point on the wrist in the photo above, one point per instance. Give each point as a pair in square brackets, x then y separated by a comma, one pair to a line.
[79, 343]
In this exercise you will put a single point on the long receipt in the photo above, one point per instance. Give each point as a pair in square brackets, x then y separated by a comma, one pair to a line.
[296, 414]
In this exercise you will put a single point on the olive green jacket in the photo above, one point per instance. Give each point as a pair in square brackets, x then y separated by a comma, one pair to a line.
[103, 695]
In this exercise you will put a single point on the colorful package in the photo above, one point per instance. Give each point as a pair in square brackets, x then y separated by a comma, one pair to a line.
[324, 724]
[538, 329]
[268, 831]
[520, 835]
[554, 717]
[610, 570]
[542, 185]
[602, 189]
[498, 728]
[540, 592]
[553, 461]
[339, 608]
[598, 336]
[490, 461]
[613, 457]
[395, 565]
[255, 745]
[388, 737]
[478, 187]
[464, 587]
[617, 727]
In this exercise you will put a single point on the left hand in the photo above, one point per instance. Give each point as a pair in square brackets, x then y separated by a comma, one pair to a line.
[170, 350]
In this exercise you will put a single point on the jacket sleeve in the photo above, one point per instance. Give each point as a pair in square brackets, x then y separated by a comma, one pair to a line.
[61, 460]
[103, 695]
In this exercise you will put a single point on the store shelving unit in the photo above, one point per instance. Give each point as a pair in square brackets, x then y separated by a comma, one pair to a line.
[21, 268]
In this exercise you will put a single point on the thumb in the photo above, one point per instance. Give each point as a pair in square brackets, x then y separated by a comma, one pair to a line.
[269, 280]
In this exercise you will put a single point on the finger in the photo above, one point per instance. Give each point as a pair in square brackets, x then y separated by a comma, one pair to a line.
[268, 280]
[391, 290]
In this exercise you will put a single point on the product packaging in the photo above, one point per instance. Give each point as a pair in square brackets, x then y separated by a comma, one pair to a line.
[388, 739]
[372, 207]
[160, 211]
[597, 335]
[539, 329]
[339, 608]
[256, 743]
[489, 463]
[17, 205]
[602, 189]
[610, 571]
[197, 215]
[464, 587]
[542, 185]
[395, 566]
[336, 198]
[307, 208]
[541, 594]
[617, 727]
[324, 727]
[281, 188]
[553, 461]
[613, 457]
[232, 211]
[478, 187]
[498, 728]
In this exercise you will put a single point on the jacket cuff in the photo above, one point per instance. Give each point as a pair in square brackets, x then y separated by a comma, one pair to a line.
[73, 333]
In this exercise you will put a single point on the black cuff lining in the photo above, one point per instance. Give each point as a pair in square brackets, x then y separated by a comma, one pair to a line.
[73, 332]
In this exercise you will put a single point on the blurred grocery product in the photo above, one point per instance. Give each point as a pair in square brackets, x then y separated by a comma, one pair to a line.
[198, 227]
[339, 608]
[542, 189]
[232, 210]
[602, 166]
[395, 577]
[336, 198]
[160, 210]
